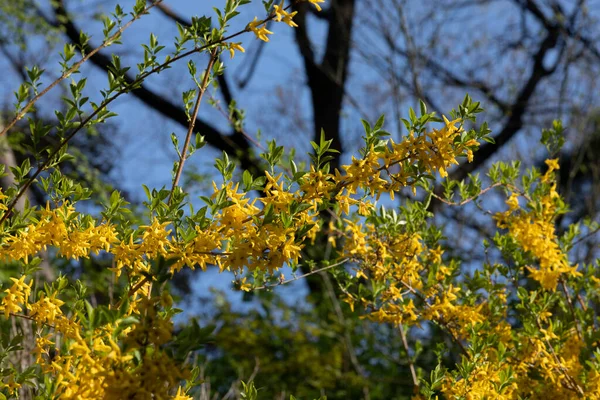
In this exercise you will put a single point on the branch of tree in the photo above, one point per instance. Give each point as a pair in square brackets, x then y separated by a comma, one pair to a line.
[235, 144]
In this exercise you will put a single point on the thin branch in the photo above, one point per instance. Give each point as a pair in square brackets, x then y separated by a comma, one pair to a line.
[201, 90]
[412, 53]
[234, 144]
[571, 307]
[467, 200]
[571, 382]
[585, 237]
[30, 318]
[518, 108]
[84, 123]
[340, 315]
[302, 276]
[232, 122]
[411, 365]
[74, 68]
[223, 85]
[439, 321]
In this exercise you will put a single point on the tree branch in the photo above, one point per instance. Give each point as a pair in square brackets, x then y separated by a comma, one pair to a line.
[223, 83]
[517, 109]
[235, 144]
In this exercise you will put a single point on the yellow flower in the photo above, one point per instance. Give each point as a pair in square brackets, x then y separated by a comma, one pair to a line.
[46, 309]
[276, 195]
[42, 345]
[12, 386]
[350, 300]
[16, 296]
[181, 395]
[233, 47]
[470, 155]
[315, 2]
[536, 234]
[513, 202]
[261, 31]
[553, 164]
[436, 255]
[2, 198]
[364, 173]
[155, 239]
[246, 287]
[361, 274]
[281, 14]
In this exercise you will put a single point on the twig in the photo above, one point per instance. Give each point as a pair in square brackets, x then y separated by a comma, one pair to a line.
[302, 276]
[30, 318]
[201, 90]
[571, 382]
[340, 315]
[440, 321]
[232, 123]
[467, 200]
[571, 308]
[584, 237]
[411, 366]
[74, 68]
[134, 289]
[106, 102]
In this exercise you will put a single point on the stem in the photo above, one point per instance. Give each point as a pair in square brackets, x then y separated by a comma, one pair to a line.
[467, 200]
[440, 321]
[571, 382]
[74, 68]
[232, 123]
[571, 307]
[337, 264]
[133, 290]
[190, 131]
[30, 318]
[413, 373]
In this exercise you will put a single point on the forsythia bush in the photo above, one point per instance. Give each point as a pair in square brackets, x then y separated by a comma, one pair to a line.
[524, 322]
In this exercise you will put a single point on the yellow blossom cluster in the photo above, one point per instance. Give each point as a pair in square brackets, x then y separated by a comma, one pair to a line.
[486, 381]
[404, 162]
[282, 15]
[93, 365]
[531, 367]
[260, 29]
[436, 150]
[57, 228]
[534, 231]
[279, 14]
[251, 241]
[540, 363]
[16, 296]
